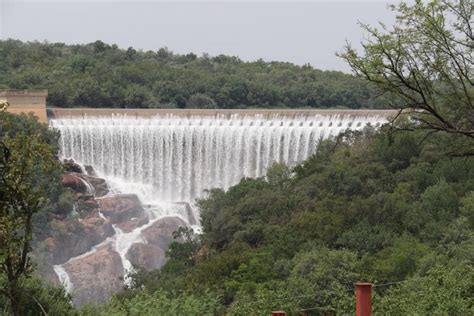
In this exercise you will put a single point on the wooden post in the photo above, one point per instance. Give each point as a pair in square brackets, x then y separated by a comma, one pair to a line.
[363, 299]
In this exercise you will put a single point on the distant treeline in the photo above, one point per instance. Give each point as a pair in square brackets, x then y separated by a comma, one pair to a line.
[102, 75]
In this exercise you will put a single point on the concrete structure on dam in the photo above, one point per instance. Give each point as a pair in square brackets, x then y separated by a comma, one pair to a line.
[26, 101]
[55, 113]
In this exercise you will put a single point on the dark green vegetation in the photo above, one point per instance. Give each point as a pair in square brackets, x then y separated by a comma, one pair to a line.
[392, 208]
[30, 191]
[101, 75]
[367, 207]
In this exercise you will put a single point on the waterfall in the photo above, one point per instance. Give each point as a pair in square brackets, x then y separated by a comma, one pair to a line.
[174, 158]
[168, 160]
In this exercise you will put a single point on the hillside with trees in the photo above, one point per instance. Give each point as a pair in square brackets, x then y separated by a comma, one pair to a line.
[393, 206]
[392, 209]
[102, 75]
[367, 206]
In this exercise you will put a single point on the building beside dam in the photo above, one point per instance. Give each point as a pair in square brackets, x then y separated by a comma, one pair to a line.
[26, 101]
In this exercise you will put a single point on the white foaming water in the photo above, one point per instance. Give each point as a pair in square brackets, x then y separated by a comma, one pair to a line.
[123, 241]
[63, 277]
[175, 158]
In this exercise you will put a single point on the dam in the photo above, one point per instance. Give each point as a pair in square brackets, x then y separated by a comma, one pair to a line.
[174, 155]
[160, 162]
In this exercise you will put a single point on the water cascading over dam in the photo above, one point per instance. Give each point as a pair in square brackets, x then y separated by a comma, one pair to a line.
[166, 159]
[175, 158]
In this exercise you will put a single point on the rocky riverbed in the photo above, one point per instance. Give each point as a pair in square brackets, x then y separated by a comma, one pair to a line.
[108, 233]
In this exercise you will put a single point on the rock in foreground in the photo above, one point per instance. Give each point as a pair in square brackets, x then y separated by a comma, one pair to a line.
[96, 277]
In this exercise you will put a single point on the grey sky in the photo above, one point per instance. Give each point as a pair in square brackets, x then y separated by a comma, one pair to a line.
[295, 31]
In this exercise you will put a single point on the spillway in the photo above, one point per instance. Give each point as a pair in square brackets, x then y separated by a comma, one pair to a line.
[171, 157]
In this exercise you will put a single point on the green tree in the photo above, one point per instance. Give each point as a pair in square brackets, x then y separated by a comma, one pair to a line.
[425, 61]
[201, 101]
[159, 303]
[101, 75]
[446, 289]
[324, 278]
[28, 171]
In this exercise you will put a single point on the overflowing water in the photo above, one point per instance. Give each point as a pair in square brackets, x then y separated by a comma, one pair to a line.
[166, 160]
[175, 158]
[63, 277]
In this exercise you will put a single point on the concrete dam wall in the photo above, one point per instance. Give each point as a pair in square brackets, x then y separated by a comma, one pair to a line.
[174, 155]
[165, 159]
[102, 112]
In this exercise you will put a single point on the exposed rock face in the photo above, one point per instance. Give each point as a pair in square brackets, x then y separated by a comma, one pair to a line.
[75, 182]
[133, 223]
[100, 185]
[122, 207]
[87, 204]
[85, 184]
[96, 276]
[146, 256]
[158, 236]
[161, 232]
[90, 170]
[71, 166]
[78, 237]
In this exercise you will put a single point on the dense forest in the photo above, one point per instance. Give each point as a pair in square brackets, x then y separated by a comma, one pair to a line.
[367, 206]
[393, 206]
[102, 75]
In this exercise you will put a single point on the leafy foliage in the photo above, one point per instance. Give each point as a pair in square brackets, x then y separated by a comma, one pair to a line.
[102, 75]
[425, 60]
[29, 177]
[158, 303]
[442, 290]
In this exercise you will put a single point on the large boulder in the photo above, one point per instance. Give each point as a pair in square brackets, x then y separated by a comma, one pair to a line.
[133, 223]
[86, 205]
[90, 170]
[157, 237]
[85, 184]
[100, 185]
[75, 182]
[147, 256]
[71, 166]
[77, 237]
[120, 208]
[95, 277]
[160, 233]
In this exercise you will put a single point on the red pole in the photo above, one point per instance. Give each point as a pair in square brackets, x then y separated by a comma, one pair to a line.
[278, 313]
[363, 299]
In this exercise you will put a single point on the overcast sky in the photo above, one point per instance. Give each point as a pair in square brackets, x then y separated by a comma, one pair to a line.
[295, 31]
